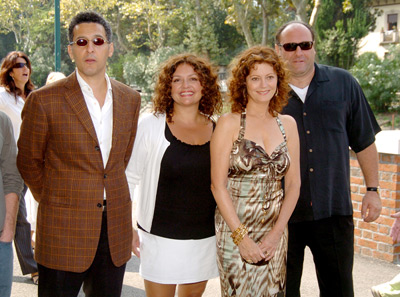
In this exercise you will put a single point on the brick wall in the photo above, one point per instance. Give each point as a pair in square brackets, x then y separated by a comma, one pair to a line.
[372, 239]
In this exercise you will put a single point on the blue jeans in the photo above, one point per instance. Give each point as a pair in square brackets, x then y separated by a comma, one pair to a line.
[6, 268]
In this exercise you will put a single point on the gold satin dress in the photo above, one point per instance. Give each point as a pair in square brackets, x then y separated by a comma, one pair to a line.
[255, 186]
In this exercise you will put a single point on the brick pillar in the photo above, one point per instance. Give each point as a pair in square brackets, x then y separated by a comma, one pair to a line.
[372, 239]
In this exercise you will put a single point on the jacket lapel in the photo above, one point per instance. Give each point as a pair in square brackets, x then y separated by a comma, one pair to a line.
[77, 102]
[117, 116]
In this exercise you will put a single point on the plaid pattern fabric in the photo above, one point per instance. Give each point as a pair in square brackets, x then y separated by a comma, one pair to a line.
[60, 160]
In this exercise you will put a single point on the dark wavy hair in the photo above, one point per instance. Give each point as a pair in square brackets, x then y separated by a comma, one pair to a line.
[6, 80]
[241, 67]
[211, 100]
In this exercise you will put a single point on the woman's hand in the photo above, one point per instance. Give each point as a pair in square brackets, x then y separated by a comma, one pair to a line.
[395, 231]
[268, 245]
[135, 243]
[250, 251]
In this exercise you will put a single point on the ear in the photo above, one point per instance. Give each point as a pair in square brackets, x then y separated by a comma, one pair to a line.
[111, 49]
[71, 55]
[277, 49]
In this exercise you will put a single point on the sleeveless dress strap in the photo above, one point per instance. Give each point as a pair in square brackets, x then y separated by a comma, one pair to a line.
[242, 125]
[278, 120]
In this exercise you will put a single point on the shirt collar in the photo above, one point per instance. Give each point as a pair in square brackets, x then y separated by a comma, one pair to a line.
[84, 84]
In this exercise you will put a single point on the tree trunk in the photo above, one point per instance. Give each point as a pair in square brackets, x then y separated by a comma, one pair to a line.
[314, 14]
[301, 13]
[244, 24]
[265, 18]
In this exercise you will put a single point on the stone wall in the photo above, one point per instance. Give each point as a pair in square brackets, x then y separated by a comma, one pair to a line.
[372, 239]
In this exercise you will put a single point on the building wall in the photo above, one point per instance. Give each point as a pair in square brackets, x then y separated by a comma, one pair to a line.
[373, 41]
[373, 239]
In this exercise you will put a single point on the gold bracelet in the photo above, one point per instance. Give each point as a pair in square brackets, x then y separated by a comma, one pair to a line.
[239, 234]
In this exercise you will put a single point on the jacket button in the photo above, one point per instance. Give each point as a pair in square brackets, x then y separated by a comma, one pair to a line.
[99, 205]
[105, 175]
[97, 148]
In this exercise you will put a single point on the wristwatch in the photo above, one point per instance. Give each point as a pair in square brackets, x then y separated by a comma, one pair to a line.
[373, 189]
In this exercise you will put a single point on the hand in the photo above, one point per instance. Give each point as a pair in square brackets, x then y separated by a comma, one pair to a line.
[395, 231]
[250, 251]
[135, 243]
[268, 245]
[7, 236]
[372, 204]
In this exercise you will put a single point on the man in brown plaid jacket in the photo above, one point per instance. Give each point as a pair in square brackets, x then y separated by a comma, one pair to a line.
[76, 139]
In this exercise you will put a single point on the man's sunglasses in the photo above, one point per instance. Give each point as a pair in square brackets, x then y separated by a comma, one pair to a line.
[292, 46]
[83, 42]
[20, 65]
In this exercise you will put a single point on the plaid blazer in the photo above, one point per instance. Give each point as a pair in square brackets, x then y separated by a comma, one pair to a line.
[60, 160]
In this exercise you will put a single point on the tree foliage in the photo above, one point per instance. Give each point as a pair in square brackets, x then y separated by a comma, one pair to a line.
[340, 27]
[145, 29]
[379, 79]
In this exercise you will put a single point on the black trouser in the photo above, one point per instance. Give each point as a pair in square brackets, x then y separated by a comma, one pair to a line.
[101, 279]
[331, 242]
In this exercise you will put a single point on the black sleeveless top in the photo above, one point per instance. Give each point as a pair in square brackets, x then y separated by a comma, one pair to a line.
[185, 205]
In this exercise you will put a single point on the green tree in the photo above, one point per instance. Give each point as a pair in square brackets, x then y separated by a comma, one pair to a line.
[340, 27]
[139, 70]
[379, 79]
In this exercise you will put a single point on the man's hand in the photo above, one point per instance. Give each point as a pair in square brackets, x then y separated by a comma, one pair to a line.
[135, 243]
[395, 232]
[371, 206]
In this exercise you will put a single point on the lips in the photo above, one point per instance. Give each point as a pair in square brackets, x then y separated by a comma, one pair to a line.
[183, 94]
[90, 60]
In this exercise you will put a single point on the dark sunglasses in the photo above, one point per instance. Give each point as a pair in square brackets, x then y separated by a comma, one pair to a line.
[292, 46]
[83, 42]
[20, 65]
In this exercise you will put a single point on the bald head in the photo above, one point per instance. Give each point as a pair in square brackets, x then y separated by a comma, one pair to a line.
[289, 24]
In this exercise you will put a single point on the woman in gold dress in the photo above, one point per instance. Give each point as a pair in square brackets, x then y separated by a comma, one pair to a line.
[252, 149]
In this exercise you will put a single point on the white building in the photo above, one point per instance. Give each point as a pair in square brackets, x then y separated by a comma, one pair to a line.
[386, 31]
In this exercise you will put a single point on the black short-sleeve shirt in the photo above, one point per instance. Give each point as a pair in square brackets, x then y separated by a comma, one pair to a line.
[334, 117]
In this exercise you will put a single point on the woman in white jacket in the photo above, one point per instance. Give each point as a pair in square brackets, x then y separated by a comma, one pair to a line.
[170, 165]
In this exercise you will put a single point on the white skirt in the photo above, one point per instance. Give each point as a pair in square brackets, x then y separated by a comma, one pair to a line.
[174, 261]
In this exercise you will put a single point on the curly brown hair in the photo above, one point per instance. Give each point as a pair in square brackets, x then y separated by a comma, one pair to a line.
[211, 100]
[241, 67]
[6, 80]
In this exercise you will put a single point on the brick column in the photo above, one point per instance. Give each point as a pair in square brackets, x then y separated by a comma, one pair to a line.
[372, 239]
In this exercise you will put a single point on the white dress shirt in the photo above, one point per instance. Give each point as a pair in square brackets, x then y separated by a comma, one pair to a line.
[102, 117]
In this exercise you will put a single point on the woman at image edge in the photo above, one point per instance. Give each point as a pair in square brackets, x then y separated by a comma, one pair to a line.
[252, 149]
[171, 165]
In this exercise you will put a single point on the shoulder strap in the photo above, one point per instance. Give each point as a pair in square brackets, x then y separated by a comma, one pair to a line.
[242, 125]
[278, 120]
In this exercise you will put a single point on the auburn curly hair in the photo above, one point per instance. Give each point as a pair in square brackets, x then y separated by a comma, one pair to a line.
[241, 67]
[211, 100]
[6, 80]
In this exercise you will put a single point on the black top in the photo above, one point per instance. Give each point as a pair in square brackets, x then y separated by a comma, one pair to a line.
[334, 117]
[185, 206]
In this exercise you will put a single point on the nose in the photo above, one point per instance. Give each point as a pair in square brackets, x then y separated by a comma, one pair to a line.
[90, 46]
[185, 83]
[298, 49]
[264, 82]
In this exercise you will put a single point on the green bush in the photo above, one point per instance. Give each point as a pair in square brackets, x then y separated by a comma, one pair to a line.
[139, 71]
[379, 79]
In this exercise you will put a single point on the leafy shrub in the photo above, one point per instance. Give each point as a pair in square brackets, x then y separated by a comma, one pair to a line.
[139, 71]
[379, 79]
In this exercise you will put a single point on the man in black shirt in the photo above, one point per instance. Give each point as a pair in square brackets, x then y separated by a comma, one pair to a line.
[332, 114]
